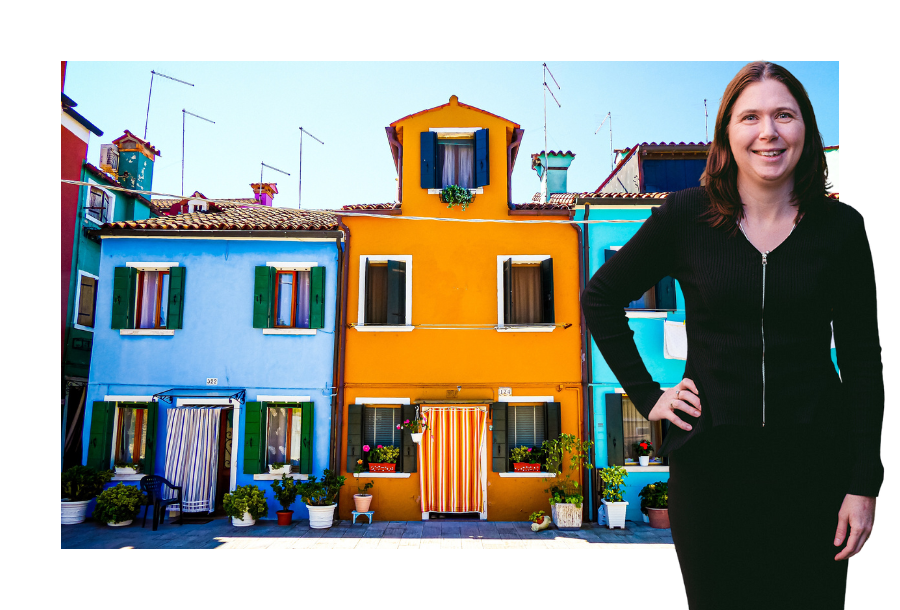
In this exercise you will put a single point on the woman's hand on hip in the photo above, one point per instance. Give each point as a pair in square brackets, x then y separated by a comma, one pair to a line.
[859, 513]
[683, 396]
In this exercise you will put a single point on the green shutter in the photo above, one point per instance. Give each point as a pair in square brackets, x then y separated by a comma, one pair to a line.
[100, 443]
[124, 285]
[500, 450]
[615, 432]
[176, 297]
[150, 446]
[307, 426]
[354, 435]
[263, 301]
[396, 292]
[408, 449]
[552, 419]
[507, 292]
[548, 315]
[317, 297]
[254, 437]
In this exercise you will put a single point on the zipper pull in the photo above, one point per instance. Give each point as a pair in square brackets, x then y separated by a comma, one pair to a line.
[764, 255]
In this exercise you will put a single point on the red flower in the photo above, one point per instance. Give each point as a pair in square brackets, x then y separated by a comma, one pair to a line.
[643, 445]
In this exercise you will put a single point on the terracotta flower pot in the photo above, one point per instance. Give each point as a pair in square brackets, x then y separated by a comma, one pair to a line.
[381, 467]
[362, 502]
[526, 467]
[284, 516]
[659, 518]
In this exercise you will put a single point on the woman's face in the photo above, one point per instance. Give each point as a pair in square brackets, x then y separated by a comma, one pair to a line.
[766, 133]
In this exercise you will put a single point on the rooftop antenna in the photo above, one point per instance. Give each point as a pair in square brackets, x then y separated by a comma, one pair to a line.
[261, 166]
[546, 163]
[152, 74]
[184, 113]
[300, 169]
[706, 112]
[611, 154]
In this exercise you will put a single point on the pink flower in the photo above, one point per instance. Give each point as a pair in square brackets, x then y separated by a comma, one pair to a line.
[406, 422]
[379, 446]
[366, 447]
[529, 450]
[399, 426]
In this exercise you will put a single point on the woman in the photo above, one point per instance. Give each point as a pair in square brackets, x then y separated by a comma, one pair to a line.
[767, 264]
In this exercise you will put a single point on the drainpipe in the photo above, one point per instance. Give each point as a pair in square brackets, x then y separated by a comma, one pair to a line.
[336, 361]
[337, 416]
[588, 347]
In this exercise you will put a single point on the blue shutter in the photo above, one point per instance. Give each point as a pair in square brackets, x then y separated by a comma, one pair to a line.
[429, 147]
[482, 159]
[665, 294]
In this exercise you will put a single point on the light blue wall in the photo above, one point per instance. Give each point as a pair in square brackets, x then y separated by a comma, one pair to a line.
[217, 338]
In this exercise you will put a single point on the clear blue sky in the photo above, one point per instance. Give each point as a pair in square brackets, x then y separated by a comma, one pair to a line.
[259, 106]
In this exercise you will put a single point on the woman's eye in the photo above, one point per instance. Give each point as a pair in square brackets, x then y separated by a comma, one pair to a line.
[748, 117]
[784, 115]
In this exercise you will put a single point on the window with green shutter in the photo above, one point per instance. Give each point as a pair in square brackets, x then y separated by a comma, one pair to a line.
[148, 298]
[289, 297]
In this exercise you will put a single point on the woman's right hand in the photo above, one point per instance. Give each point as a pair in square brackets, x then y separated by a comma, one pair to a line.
[683, 396]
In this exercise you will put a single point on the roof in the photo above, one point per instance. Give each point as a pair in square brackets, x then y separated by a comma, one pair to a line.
[454, 101]
[566, 201]
[161, 207]
[147, 144]
[99, 173]
[68, 104]
[371, 206]
[230, 216]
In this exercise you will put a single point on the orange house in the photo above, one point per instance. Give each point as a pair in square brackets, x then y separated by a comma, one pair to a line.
[474, 325]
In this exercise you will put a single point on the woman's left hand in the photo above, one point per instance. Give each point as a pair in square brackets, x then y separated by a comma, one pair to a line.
[859, 513]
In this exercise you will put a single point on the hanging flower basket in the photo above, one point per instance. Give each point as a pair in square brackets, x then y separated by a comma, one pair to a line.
[456, 195]
[380, 467]
[416, 437]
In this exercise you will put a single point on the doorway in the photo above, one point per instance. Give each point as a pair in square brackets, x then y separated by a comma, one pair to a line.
[223, 477]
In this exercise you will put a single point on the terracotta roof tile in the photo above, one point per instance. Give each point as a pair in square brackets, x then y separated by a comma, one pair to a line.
[371, 206]
[563, 201]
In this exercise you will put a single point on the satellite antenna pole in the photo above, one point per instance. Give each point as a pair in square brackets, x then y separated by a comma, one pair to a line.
[184, 113]
[611, 156]
[706, 112]
[300, 169]
[261, 166]
[152, 74]
[546, 88]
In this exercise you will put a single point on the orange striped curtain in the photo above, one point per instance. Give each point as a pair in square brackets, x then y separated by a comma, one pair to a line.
[451, 458]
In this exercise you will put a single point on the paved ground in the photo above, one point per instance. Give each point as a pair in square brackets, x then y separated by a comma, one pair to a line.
[437, 534]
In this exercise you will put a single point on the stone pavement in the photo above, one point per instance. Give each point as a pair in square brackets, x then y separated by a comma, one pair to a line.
[436, 534]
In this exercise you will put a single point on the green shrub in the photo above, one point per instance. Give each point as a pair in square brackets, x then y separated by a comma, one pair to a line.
[286, 491]
[613, 482]
[564, 490]
[119, 503]
[324, 492]
[245, 499]
[81, 483]
[383, 455]
[456, 195]
[525, 455]
[654, 495]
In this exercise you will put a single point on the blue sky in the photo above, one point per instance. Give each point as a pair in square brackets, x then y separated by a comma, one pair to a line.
[258, 108]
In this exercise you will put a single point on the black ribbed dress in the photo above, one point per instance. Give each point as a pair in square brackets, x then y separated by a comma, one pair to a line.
[756, 485]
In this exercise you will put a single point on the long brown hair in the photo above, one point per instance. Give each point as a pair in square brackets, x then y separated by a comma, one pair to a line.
[720, 176]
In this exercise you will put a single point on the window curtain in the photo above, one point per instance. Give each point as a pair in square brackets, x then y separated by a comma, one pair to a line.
[301, 318]
[150, 281]
[459, 164]
[451, 455]
[636, 428]
[376, 294]
[526, 293]
[192, 455]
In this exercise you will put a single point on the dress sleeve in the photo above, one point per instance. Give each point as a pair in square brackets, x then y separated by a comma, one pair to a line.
[639, 264]
[855, 321]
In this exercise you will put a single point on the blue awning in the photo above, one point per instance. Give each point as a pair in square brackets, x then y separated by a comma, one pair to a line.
[230, 393]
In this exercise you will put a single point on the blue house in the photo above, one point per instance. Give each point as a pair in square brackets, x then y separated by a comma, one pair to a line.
[214, 347]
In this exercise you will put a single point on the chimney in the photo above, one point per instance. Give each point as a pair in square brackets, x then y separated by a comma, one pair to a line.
[135, 163]
[558, 163]
[265, 192]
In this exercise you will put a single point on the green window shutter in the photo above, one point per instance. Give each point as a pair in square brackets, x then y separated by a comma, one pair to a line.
[263, 301]
[150, 447]
[507, 292]
[396, 293]
[307, 426]
[482, 159]
[430, 178]
[665, 294]
[124, 294]
[176, 297]
[254, 437]
[548, 315]
[408, 449]
[354, 435]
[500, 450]
[100, 443]
[317, 297]
[615, 432]
[552, 419]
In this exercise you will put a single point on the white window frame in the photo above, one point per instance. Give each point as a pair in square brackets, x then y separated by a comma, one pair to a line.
[290, 266]
[112, 203]
[501, 295]
[285, 401]
[634, 467]
[361, 307]
[149, 266]
[78, 301]
[456, 131]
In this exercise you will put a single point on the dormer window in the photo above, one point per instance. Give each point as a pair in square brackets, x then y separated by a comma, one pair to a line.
[98, 205]
[455, 155]
[456, 162]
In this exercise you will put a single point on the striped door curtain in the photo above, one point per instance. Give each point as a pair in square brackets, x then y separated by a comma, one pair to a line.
[451, 455]
[192, 455]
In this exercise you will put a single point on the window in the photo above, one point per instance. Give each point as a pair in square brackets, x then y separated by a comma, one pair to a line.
[289, 296]
[626, 426]
[455, 156]
[517, 425]
[526, 426]
[278, 433]
[148, 296]
[525, 291]
[152, 299]
[380, 426]
[385, 287]
[284, 435]
[659, 297]
[131, 435]
[376, 424]
[98, 207]
[122, 432]
[85, 300]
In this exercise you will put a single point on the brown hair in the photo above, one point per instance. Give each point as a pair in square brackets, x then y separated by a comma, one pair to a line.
[720, 176]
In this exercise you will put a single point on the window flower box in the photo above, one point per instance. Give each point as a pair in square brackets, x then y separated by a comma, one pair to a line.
[382, 467]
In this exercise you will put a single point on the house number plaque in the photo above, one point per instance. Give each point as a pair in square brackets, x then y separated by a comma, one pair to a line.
[505, 392]
[212, 381]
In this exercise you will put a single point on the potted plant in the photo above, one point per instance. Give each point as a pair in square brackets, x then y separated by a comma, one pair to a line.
[320, 498]
[613, 484]
[525, 459]
[416, 427]
[126, 468]
[655, 504]
[245, 505]
[539, 521]
[119, 505]
[565, 498]
[286, 491]
[80, 484]
[456, 195]
[363, 499]
[381, 458]
[280, 468]
[643, 449]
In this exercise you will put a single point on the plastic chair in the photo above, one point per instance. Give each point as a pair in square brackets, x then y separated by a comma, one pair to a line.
[154, 486]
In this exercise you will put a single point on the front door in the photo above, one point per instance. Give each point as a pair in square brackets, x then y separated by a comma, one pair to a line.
[223, 478]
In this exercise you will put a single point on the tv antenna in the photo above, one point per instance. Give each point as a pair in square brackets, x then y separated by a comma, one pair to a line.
[611, 153]
[261, 166]
[184, 113]
[706, 112]
[546, 163]
[300, 169]
[152, 74]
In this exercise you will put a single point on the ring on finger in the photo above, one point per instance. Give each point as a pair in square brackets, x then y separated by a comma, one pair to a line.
[677, 392]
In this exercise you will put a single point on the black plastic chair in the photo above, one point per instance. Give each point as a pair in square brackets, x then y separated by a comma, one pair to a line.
[154, 486]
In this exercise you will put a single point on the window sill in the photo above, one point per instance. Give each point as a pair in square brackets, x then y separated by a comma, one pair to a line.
[84, 328]
[384, 328]
[147, 331]
[277, 477]
[639, 313]
[527, 475]
[478, 191]
[128, 477]
[382, 475]
[527, 328]
[631, 468]
[289, 331]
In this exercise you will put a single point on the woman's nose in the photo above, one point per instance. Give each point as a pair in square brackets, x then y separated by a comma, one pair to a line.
[767, 129]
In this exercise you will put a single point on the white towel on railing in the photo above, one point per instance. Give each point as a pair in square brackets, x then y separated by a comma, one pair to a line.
[675, 341]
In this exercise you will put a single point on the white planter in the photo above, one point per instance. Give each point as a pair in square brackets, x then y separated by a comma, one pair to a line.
[615, 513]
[73, 512]
[286, 469]
[644, 460]
[245, 522]
[566, 516]
[127, 470]
[321, 517]
[416, 437]
[120, 523]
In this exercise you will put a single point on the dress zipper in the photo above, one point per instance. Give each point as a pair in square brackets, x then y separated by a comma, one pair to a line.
[762, 324]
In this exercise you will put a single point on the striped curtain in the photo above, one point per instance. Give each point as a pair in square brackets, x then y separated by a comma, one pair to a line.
[451, 455]
[192, 455]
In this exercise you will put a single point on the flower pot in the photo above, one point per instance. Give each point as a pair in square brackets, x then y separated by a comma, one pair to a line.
[120, 523]
[526, 467]
[382, 467]
[73, 512]
[615, 513]
[566, 516]
[286, 469]
[246, 521]
[362, 502]
[644, 460]
[284, 516]
[659, 518]
[321, 517]
[127, 470]
[416, 436]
